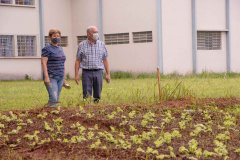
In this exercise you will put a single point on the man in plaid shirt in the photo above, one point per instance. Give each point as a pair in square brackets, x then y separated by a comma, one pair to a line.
[92, 58]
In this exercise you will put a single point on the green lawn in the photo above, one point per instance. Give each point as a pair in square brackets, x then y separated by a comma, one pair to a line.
[31, 94]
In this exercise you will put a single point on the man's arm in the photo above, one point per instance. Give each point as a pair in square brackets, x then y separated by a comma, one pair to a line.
[106, 66]
[77, 65]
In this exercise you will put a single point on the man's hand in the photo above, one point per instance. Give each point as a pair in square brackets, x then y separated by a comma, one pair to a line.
[47, 81]
[77, 65]
[77, 79]
[106, 66]
[108, 79]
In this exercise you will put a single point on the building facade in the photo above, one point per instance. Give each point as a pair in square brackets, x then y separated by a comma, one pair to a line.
[180, 36]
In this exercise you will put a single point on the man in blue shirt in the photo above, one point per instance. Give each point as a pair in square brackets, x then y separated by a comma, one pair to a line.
[92, 58]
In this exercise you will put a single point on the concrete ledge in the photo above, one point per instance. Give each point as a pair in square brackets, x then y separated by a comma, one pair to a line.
[30, 57]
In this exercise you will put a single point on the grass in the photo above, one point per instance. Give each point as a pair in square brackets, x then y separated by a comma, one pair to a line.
[126, 89]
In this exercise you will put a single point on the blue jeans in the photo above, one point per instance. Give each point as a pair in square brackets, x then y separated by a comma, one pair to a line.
[54, 89]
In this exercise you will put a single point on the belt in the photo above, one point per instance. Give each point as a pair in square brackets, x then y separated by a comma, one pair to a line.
[92, 69]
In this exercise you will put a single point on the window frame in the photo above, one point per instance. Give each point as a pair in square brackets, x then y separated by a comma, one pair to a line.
[14, 4]
[13, 45]
[115, 40]
[34, 45]
[139, 36]
[37, 54]
[212, 40]
[79, 41]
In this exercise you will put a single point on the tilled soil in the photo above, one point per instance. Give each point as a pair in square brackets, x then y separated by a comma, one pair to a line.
[58, 142]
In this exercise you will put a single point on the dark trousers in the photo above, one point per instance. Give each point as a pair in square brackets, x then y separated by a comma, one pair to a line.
[92, 80]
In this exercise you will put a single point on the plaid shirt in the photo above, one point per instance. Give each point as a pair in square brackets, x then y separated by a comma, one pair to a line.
[92, 55]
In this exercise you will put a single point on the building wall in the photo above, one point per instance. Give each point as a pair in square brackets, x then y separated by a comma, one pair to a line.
[58, 14]
[19, 20]
[177, 36]
[73, 17]
[127, 17]
[84, 14]
[235, 34]
[19, 68]
[211, 16]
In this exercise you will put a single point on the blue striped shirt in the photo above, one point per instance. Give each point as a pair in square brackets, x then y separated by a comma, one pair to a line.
[56, 59]
[91, 55]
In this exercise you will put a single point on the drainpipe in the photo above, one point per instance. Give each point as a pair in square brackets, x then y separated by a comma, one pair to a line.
[41, 22]
[159, 25]
[228, 34]
[194, 37]
[100, 28]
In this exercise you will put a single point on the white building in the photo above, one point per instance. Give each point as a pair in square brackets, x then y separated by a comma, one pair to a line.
[182, 36]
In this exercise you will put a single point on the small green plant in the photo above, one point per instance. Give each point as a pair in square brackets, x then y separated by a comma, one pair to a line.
[132, 129]
[144, 123]
[192, 145]
[183, 150]
[42, 116]
[136, 139]
[31, 137]
[208, 154]
[29, 121]
[56, 112]
[58, 121]
[15, 131]
[1, 126]
[47, 127]
[131, 114]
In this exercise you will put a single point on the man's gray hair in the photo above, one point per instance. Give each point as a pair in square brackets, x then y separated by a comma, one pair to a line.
[89, 29]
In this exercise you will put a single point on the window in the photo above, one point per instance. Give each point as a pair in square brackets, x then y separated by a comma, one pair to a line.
[18, 2]
[119, 38]
[26, 45]
[142, 37]
[6, 46]
[63, 42]
[6, 1]
[81, 38]
[208, 40]
[24, 2]
[47, 40]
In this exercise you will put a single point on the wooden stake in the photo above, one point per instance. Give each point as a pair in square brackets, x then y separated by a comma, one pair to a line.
[159, 86]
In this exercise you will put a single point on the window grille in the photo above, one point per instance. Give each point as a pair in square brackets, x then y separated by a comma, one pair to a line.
[142, 37]
[6, 1]
[63, 42]
[26, 45]
[119, 38]
[81, 38]
[24, 2]
[6, 46]
[47, 40]
[208, 40]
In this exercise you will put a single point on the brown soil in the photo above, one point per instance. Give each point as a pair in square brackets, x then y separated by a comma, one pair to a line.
[56, 149]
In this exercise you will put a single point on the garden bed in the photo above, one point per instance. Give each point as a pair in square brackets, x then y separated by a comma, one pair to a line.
[178, 129]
